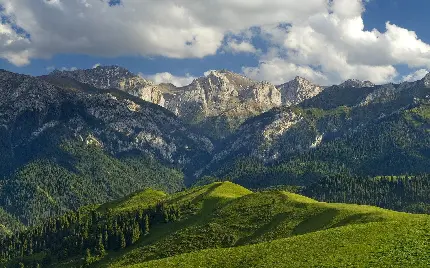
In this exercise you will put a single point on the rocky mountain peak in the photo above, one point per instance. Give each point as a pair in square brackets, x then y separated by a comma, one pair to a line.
[355, 83]
[298, 90]
[107, 77]
[230, 97]
[225, 78]
[218, 93]
[426, 80]
[300, 79]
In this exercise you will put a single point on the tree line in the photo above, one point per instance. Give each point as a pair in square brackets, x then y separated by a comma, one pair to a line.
[409, 193]
[84, 233]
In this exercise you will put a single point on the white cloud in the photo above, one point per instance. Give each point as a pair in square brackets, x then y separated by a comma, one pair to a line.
[13, 47]
[68, 69]
[335, 43]
[417, 75]
[176, 29]
[323, 40]
[240, 47]
[279, 71]
[166, 77]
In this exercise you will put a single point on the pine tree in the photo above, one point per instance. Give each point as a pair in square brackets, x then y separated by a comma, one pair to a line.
[100, 248]
[122, 240]
[166, 215]
[88, 257]
[146, 230]
[135, 233]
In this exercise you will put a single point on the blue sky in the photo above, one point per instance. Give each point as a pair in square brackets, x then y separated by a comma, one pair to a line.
[219, 42]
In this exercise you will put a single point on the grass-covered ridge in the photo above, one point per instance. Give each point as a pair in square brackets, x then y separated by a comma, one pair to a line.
[227, 215]
[266, 216]
[215, 217]
[393, 244]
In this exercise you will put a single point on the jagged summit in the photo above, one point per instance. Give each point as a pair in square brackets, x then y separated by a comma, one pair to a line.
[426, 80]
[355, 83]
[298, 90]
[225, 77]
[106, 77]
[217, 93]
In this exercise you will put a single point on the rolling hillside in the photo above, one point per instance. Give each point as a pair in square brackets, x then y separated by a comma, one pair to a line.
[393, 244]
[223, 215]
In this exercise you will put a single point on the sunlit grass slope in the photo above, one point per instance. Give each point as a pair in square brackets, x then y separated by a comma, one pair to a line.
[227, 215]
[404, 243]
[141, 200]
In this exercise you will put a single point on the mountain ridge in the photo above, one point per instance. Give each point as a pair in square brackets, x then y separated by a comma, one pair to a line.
[206, 101]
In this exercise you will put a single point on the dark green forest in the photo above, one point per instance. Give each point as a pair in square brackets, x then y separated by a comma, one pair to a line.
[44, 188]
[401, 193]
[87, 232]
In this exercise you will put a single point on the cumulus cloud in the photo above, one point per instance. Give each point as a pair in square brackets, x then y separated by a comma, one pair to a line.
[323, 40]
[279, 71]
[335, 45]
[166, 77]
[176, 29]
[13, 46]
[240, 47]
[414, 76]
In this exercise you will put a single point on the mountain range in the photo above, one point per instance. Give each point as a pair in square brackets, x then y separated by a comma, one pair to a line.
[70, 134]
[215, 104]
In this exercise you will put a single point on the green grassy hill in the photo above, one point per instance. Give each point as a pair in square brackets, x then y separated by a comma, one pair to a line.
[230, 216]
[254, 228]
[392, 244]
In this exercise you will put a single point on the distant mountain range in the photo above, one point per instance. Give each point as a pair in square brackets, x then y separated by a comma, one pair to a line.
[216, 104]
[74, 138]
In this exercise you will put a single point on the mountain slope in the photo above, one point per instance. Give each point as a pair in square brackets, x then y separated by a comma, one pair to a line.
[298, 90]
[62, 142]
[219, 102]
[366, 131]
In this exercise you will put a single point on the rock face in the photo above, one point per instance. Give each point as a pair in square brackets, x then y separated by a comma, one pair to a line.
[354, 83]
[298, 90]
[36, 116]
[107, 77]
[382, 94]
[425, 82]
[337, 115]
[221, 91]
[217, 103]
